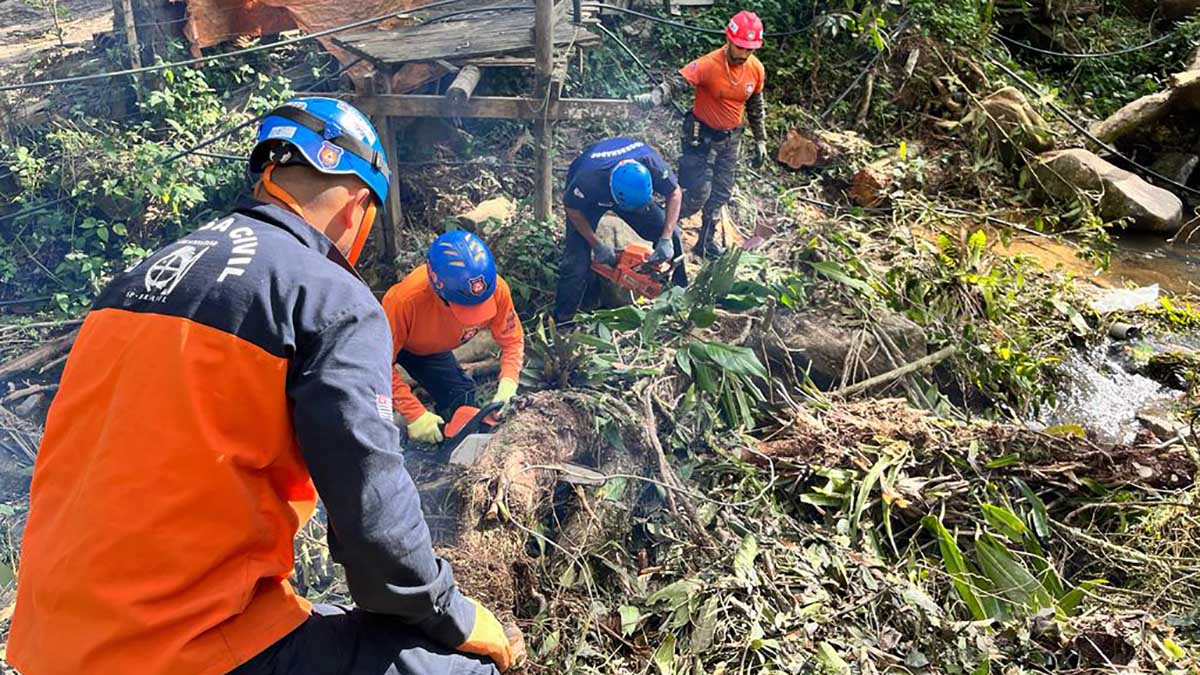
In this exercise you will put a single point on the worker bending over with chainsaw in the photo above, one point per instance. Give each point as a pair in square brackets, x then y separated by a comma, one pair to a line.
[214, 392]
[729, 85]
[619, 175]
[439, 306]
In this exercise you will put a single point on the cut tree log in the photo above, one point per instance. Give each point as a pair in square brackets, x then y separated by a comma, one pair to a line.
[500, 209]
[803, 148]
[871, 184]
[38, 358]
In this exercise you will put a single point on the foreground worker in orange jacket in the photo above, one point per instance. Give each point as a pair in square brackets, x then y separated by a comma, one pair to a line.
[214, 392]
[439, 306]
[729, 87]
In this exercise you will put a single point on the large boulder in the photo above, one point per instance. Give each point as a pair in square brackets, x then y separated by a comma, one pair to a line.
[1012, 122]
[1178, 166]
[836, 351]
[1064, 174]
[1143, 112]
[1185, 91]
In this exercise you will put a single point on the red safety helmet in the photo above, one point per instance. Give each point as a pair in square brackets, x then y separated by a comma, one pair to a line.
[745, 30]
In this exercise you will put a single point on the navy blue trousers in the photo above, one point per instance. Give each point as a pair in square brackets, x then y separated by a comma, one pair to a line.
[348, 641]
[441, 376]
[578, 285]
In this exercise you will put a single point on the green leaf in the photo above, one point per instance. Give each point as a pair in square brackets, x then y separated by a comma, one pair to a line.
[956, 566]
[863, 495]
[1004, 460]
[743, 561]
[630, 616]
[703, 317]
[1041, 521]
[1004, 521]
[835, 272]
[706, 626]
[831, 660]
[1011, 578]
[675, 595]
[736, 360]
[1066, 431]
[664, 656]
[1069, 604]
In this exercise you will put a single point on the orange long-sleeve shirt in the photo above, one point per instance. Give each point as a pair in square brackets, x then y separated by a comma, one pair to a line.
[422, 324]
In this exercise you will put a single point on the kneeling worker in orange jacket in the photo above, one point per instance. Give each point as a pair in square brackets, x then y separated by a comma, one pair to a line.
[214, 392]
[439, 306]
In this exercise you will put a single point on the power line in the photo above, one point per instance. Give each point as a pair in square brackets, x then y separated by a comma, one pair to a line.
[1087, 55]
[687, 26]
[604, 29]
[1089, 135]
[217, 57]
[172, 158]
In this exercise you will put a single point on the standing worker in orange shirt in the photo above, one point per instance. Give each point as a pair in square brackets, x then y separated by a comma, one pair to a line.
[439, 306]
[729, 85]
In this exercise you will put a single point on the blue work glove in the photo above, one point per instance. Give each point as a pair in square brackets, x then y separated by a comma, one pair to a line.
[663, 250]
[604, 254]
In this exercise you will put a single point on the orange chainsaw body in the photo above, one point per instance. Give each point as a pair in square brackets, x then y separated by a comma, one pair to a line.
[635, 272]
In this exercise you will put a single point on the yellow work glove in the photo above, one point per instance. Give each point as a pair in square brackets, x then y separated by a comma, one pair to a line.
[505, 390]
[487, 639]
[426, 428]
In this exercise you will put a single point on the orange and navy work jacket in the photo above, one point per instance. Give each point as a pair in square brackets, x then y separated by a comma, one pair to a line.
[723, 89]
[422, 324]
[214, 391]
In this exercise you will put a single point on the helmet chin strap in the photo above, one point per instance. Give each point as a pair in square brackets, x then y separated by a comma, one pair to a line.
[364, 227]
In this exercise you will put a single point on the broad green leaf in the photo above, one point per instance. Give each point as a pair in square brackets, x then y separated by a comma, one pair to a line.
[675, 595]
[703, 317]
[832, 661]
[1004, 521]
[706, 625]
[1010, 577]
[1069, 604]
[863, 495]
[664, 656]
[956, 567]
[743, 560]
[1039, 518]
[630, 616]
[835, 272]
[1066, 431]
[1004, 460]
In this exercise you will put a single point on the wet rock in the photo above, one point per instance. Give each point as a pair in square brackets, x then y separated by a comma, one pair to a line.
[1011, 121]
[1065, 174]
[1178, 166]
[835, 353]
[1160, 418]
[1143, 112]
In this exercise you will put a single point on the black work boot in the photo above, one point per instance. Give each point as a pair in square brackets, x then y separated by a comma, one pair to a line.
[706, 246]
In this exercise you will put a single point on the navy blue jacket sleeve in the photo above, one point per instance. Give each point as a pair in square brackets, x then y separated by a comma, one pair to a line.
[661, 176]
[340, 389]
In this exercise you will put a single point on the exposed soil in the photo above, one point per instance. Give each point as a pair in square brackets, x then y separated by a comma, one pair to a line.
[27, 31]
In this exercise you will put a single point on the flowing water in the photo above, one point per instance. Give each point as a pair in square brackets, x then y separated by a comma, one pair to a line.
[1101, 393]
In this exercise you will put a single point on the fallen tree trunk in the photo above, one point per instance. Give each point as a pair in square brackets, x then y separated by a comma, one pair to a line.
[39, 357]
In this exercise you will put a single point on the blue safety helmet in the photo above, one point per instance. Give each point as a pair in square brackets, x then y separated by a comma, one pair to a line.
[329, 135]
[630, 185]
[463, 273]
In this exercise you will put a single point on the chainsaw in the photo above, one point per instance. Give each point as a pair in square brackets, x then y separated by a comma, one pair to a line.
[468, 432]
[635, 272]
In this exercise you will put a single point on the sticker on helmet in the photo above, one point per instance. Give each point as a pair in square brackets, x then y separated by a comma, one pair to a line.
[303, 105]
[329, 155]
[478, 285]
[282, 132]
[355, 123]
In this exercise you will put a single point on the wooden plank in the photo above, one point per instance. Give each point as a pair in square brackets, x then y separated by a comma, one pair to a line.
[496, 107]
[500, 34]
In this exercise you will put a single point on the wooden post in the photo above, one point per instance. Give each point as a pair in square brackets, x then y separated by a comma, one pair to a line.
[394, 213]
[543, 128]
[131, 40]
[463, 86]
